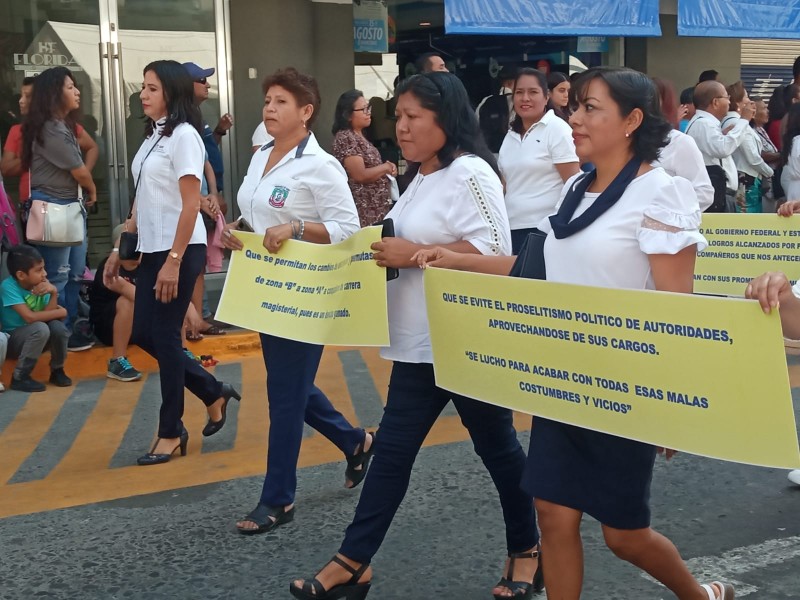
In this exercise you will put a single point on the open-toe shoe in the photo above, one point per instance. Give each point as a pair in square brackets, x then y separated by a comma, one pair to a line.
[351, 589]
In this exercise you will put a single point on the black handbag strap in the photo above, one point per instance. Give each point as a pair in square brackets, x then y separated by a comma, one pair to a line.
[141, 170]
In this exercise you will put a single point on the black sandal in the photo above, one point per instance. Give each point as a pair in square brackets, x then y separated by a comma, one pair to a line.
[353, 473]
[522, 590]
[349, 590]
[261, 514]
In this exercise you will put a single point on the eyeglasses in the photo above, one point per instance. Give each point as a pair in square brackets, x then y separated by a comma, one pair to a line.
[201, 80]
[366, 110]
[726, 97]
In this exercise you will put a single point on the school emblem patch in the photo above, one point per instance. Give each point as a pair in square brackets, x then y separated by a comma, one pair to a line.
[278, 196]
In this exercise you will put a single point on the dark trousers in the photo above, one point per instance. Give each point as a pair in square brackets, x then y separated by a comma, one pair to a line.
[157, 331]
[518, 238]
[293, 399]
[413, 405]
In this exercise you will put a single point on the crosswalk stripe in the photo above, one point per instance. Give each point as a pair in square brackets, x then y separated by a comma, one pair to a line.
[142, 424]
[65, 428]
[361, 386]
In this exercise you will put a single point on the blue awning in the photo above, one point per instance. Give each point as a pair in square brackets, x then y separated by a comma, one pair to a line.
[552, 17]
[739, 18]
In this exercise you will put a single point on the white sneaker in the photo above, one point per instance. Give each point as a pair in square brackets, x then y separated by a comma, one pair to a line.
[794, 476]
[2, 388]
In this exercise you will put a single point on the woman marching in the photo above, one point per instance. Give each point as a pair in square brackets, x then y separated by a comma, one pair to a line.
[295, 190]
[456, 199]
[623, 225]
[168, 168]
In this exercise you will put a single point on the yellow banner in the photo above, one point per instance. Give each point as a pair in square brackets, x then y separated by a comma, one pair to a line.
[741, 247]
[693, 373]
[317, 293]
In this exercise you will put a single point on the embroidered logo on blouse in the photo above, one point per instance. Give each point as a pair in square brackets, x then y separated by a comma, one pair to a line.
[278, 196]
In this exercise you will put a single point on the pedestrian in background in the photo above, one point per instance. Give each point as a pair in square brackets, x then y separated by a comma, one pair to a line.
[367, 174]
[168, 168]
[558, 85]
[58, 175]
[536, 158]
[750, 166]
[790, 155]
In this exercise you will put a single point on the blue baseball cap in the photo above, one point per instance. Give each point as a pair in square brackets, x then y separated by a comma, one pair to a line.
[196, 72]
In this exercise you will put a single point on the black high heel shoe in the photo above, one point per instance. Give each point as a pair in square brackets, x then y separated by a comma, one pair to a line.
[151, 458]
[522, 590]
[349, 590]
[213, 427]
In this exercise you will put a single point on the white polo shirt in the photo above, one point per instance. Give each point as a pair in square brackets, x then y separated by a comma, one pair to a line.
[463, 201]
[307, 183]
[527, 162]
[158, 196]
[682, 158]
[260, 135]
[716, 147]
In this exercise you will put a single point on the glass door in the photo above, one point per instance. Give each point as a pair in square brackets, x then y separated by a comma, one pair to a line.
[107, 44]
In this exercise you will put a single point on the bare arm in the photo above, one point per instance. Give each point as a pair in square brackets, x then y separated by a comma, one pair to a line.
[84, 178]
[476, 263]
[11, 164]
[773, 290]
[398, 253]
[89, 149]
[674, 272]
[567, 170]
[358, 172]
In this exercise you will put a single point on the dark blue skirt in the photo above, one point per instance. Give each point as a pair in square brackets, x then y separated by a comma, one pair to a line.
[604, 476]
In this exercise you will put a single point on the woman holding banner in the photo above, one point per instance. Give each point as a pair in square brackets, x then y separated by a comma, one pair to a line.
[294, 189]
[456, 199]
[623, 225]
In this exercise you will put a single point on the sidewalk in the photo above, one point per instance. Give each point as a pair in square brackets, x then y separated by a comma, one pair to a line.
[93, 363]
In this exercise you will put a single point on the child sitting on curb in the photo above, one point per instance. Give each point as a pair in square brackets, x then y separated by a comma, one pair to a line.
[33, 318]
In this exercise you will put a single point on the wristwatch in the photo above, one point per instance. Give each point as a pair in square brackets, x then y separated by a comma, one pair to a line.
[175, 256]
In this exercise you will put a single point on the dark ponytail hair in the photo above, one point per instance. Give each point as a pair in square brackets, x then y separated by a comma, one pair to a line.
[47, 100]
[444, 94]
[178, 89]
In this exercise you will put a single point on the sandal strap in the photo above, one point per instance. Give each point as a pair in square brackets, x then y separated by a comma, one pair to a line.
[261, 514]
[529, 554]
[356, 573]
[314, 588]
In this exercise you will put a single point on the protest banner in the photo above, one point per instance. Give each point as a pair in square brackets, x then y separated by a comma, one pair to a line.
[315, 293]
[698, 374]
[741, 247]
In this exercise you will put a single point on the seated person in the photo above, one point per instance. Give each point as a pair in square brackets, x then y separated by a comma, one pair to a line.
[111, 315]
[33, 318]
[773, 290]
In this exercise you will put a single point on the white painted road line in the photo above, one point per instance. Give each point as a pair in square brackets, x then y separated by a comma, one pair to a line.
[732, 564]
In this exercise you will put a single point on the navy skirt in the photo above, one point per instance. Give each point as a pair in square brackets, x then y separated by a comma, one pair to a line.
[604, 476]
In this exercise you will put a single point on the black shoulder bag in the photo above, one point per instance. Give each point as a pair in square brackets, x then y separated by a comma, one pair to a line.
[129, 241]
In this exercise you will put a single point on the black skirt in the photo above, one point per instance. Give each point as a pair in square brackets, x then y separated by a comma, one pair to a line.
[604, 476]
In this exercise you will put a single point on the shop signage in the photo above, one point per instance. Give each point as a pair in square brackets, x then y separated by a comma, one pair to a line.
[43, 55]
[370, 26]
[593, 43]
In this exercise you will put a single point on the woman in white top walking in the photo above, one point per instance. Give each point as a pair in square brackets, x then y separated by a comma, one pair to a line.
[295, 190]
[536, 158]
[172, 240]
[623, 225]
[455, 199]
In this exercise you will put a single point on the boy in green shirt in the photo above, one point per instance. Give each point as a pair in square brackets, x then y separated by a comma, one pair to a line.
[33, 318]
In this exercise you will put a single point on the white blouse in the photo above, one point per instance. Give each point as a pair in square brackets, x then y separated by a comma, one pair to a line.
[528, 165]
[790, 177]
[463, 201]
[307, 183]
[158, 195]
[657, 214]
[682, 158]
